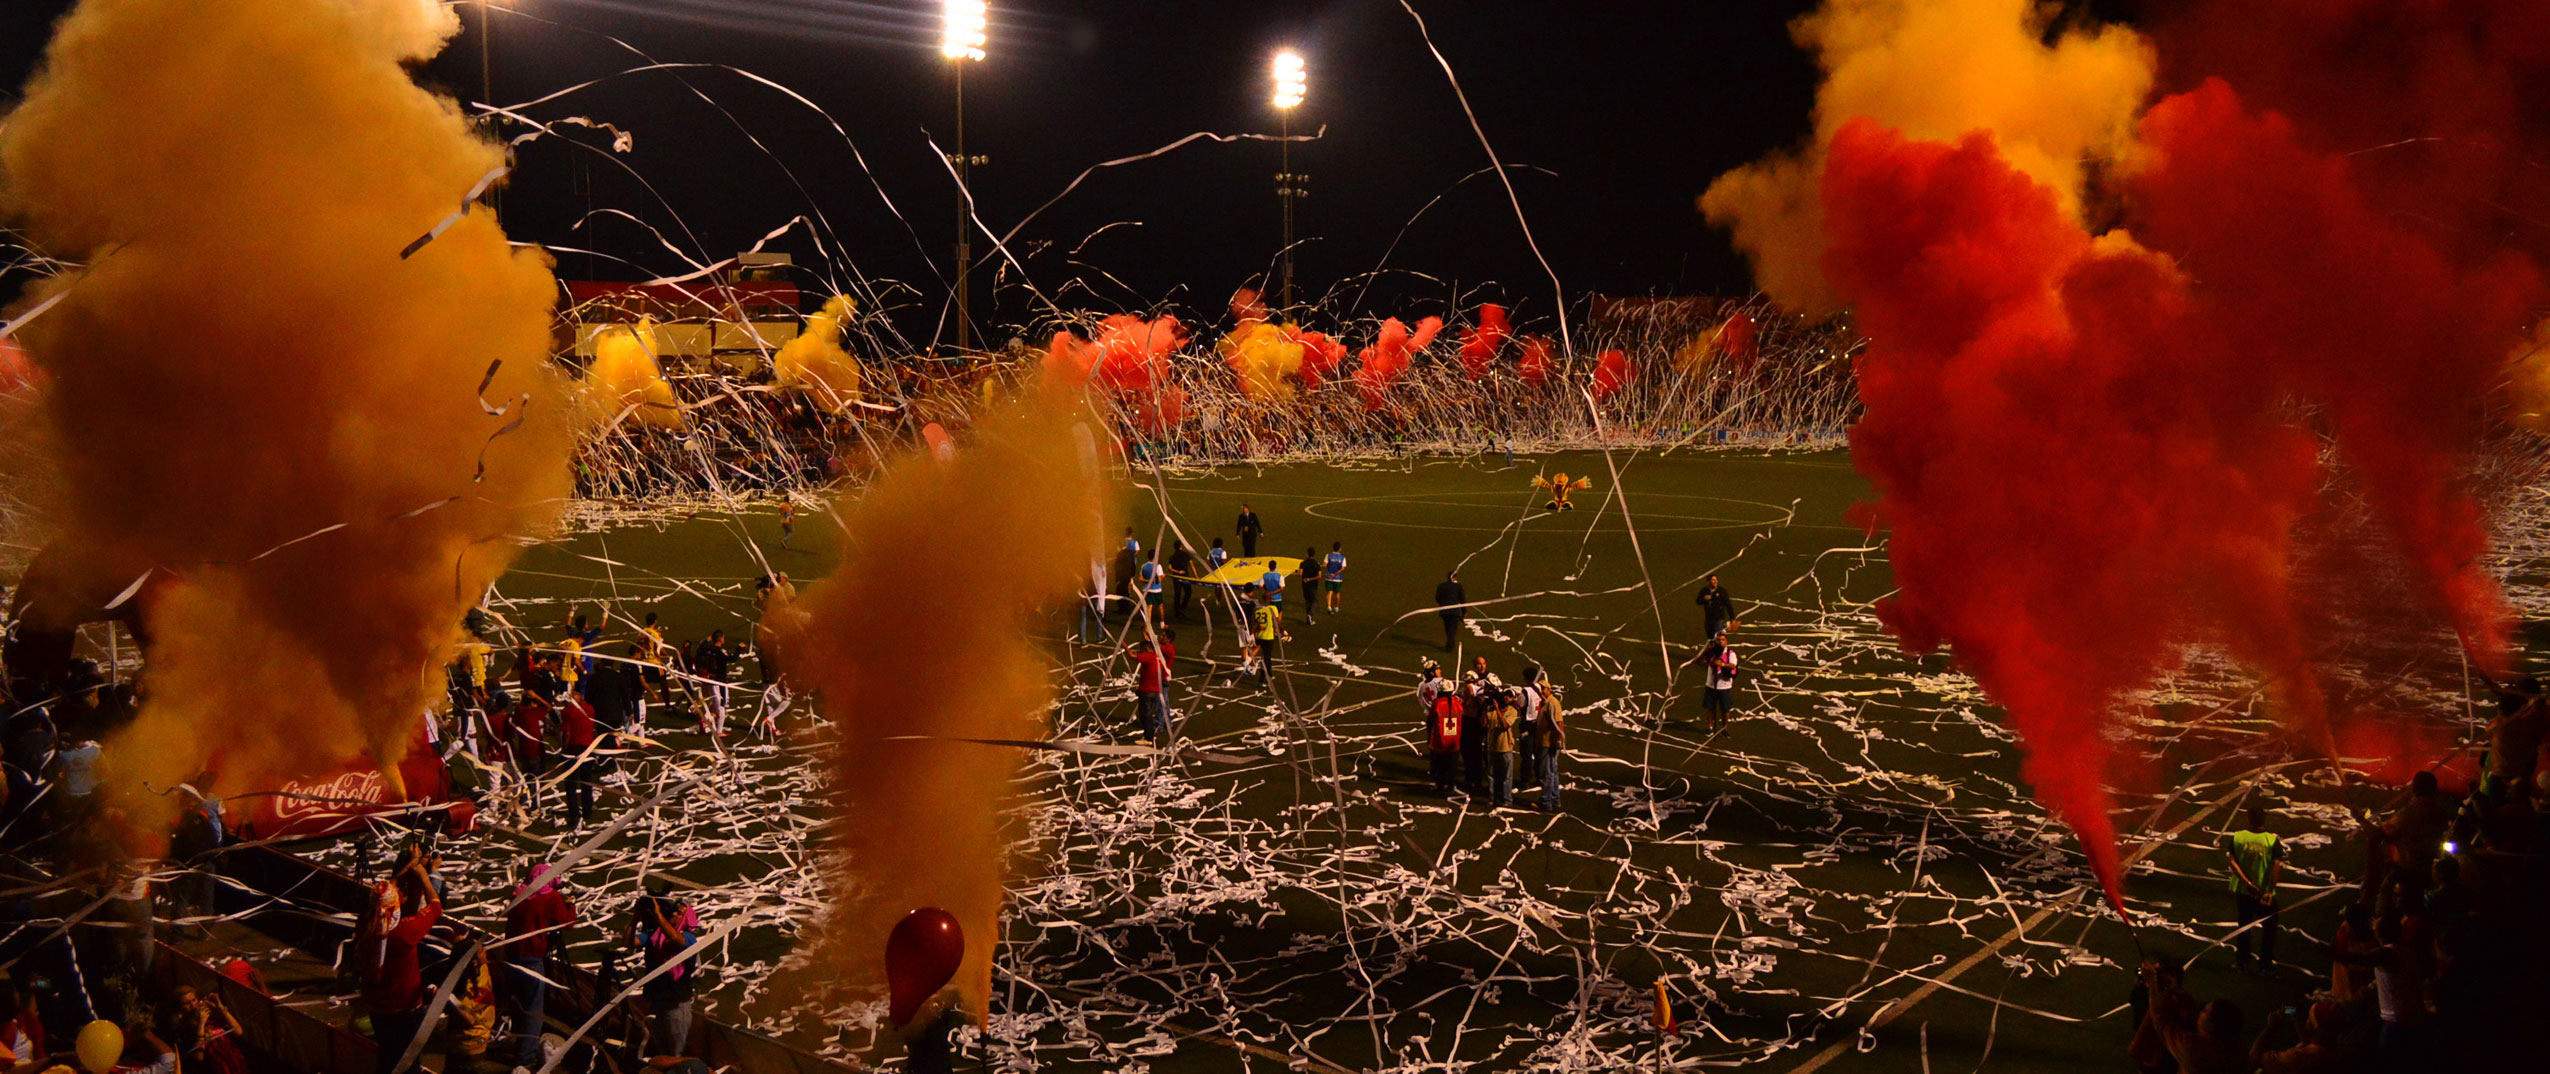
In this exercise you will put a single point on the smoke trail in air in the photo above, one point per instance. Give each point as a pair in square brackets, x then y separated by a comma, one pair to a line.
[2092, 448]
[925, 632]
[247, 359]
[1935, 69]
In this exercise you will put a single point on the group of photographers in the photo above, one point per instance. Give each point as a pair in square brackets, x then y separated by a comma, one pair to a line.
[1485, 736]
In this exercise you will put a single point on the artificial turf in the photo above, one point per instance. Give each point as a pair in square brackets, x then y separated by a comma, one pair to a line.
[1857, 845]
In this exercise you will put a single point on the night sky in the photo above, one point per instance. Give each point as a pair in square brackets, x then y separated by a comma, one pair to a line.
[1615, 114]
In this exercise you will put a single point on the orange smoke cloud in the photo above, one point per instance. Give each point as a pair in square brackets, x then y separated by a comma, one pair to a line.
[1936, 70]
[625, 382]
[246, 361]
[925, 633]
[815, 362]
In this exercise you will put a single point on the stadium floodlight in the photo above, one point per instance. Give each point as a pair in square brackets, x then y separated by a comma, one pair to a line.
[1292, 80]
[964, 33]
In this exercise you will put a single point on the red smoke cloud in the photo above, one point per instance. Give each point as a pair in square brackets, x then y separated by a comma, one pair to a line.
[2081, 447]
[1534, 366]
[1130, 359]
[1611, 373]
[1320, 356]
[1387, 359]
[1481, 342]
[1735, 339]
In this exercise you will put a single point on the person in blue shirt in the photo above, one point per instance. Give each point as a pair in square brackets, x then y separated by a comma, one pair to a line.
[1154, 587]
[1216, 556]
[1333, 577]
[1272, 582]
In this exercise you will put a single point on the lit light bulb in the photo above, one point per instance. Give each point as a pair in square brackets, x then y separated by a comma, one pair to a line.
[965, 32]
[1292, 79]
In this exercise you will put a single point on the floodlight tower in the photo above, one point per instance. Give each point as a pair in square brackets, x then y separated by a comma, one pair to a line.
[961, 40]
[1292, 82]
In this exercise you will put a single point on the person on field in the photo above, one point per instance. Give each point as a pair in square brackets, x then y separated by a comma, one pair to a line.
[1717, 607]
[1499, 719]
[1269, 621]
[1449, 603]
[712, 660]
[1150, 702]
[1219, 594]
[2255, 856]
[1474, 701]
[1153, 579]
[651, 636]
[1717, 698]
[1332, 575]
[1551, 733]
[1443, 728]
[1248, 528]
[575, 747]
[1181, 575]
[1306, 581]
[1527, 718]
[1122, 578]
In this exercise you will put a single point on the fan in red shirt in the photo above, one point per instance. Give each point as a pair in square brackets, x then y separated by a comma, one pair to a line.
[575, 741]
[394, 988]
[526, 732]
[539, 913]
[1151, 672]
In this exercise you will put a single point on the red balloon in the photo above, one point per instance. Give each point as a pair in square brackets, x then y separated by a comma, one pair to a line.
[920, 956]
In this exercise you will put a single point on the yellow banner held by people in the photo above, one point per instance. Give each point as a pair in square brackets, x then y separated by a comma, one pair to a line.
[1247, 571]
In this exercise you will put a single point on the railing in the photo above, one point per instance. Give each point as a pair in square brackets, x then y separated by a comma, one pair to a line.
[275, 1036]
[287, 887]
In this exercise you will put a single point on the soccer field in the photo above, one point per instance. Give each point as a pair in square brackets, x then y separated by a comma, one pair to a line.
[1850, 876]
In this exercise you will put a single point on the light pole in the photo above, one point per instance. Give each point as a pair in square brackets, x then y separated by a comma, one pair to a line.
[1291, 82]
[961, 40]
[487, 87]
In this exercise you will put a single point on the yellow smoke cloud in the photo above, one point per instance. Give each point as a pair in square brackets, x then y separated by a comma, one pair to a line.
[1265, 357]
[625, 378]
[1936, 70]
[246, 360]
[815, 362]
[925, 632]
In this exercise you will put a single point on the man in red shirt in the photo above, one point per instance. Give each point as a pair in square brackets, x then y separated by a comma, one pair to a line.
[395, 989]
[575, 741]
[532, 929]
[1150, 706]
[526, 735]
[1444, 711]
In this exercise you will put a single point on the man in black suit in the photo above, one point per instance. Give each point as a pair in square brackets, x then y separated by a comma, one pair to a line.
[1249, 527]
[1448, 597]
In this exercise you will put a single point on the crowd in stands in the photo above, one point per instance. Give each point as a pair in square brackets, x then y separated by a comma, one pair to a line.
[84, 935]
[2438, 960]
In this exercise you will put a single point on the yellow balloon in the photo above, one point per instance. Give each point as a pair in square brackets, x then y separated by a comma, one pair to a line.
[101, 1044]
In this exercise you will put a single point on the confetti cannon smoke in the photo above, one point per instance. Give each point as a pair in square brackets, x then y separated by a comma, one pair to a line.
[922, 640]
[2086, 446]
[252, 392]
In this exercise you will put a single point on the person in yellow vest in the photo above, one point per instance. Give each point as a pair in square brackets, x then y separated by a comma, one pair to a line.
[476, 655]
[1269, 618]
[2256, 857]
[571, 665]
